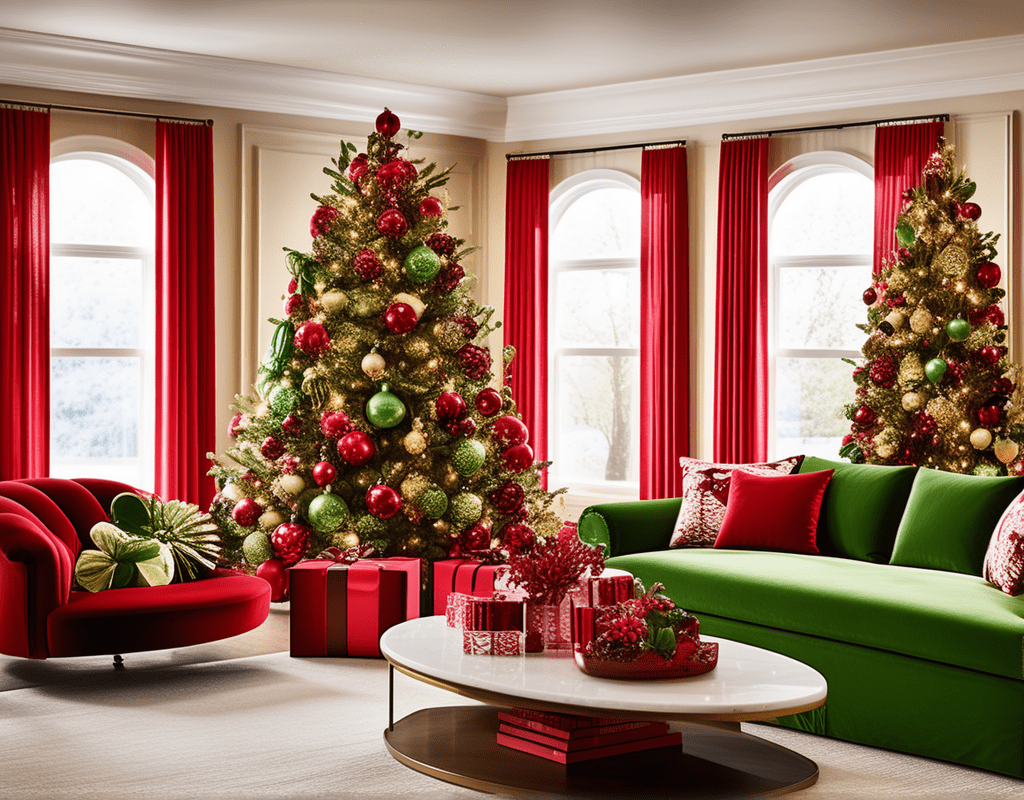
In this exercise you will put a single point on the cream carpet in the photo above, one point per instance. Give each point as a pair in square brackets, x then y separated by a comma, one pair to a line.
[218, 722]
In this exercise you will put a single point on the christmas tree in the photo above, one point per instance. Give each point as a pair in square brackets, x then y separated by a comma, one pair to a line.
[375, 421]
[935, 386]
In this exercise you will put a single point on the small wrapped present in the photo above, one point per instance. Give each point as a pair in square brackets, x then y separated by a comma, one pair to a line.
[343, 609]
[493, 643]
[610, 587]
[494, 613]
[466, 576]
[455, 611]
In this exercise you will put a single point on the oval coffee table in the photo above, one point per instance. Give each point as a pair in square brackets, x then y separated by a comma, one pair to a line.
[458, 744]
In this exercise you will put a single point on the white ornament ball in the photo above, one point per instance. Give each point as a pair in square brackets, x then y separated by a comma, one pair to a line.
[271, 519]
[233, 492]
[884, 450]
[292, 484]
[334, 301]
[1006, 450]
[912, 401]
[980, 438]
[412, 300]
[373, 365]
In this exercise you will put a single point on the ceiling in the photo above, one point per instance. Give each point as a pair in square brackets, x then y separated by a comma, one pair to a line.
[520, 47]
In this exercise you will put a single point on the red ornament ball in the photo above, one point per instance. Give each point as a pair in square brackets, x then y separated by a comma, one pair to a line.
[293, 286]
[392, 223]
[356, 448]
[510, 431]
[246, 512]
[295, 304]
[291, 425]
[488, 402]
[367, 265]
[476, 537]
[400, 317]
[988, 275]
[396, 174]
[387, 123]
[990, 355]
[441, 243]
[431, 207]
[450, 277]
[233, 426]
[971, 211]
[290, 542]
[1002, 386]
[335, 424]
[324, 473]
[476, 361]
[870, 296]
[383, 501]
[865, 415]
[357, 169]
[272, 448]
[508, 497]
[990, 415]
[322, 219]
[450, 406]
[518, 458]
[274, 572]
[518, 538]
[312, 338]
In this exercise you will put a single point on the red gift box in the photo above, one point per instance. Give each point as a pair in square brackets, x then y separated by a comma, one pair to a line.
[343, 609]
[610, 587]
[493, 643]
[466, 576]
[494, 613]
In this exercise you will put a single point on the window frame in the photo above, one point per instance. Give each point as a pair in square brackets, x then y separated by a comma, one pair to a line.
[561, 198]
[140, 168]
[781, 184]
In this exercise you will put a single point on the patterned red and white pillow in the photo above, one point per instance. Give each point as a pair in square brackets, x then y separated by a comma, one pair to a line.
[706, 494]
[1004, 559]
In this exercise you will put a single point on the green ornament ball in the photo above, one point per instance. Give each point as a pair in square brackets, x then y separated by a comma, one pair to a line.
[326, 512]
[385, 410]
[433, 502]
[368, 527]
[958, 329]
[466, 509]
[283, 401]
[422, 264]
[468, 456]
[935, 369]
[905, 234]
[256, 548]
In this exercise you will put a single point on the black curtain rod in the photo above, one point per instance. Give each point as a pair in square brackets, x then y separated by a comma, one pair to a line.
[514, 156]
[896, 121]
[88, 110]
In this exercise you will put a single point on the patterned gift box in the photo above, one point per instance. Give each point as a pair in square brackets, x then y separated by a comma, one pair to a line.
[493, 643]
[455, 611]
[494, 613]
[467, 576]
[610, 587]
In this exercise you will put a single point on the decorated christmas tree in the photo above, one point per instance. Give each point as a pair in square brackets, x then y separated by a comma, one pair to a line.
[935, 386]
[377, 419]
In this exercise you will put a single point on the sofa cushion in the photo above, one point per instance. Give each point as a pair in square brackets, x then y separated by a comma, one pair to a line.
[1004, 559]
[705, 495]
[949, 520]
[862, 508]
[773, 512]
[946, 617]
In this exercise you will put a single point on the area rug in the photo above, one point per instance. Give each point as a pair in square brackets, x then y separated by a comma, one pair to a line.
[272, 726]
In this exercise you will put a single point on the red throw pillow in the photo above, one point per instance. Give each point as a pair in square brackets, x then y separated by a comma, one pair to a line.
[776, 512]
[705, 495]
[1004, 560]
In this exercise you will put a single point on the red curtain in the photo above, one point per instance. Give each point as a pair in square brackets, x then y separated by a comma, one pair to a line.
[741, 313]
[526, 293]
[900, 154]
[24, 293]
[185, 367]
[664, 321]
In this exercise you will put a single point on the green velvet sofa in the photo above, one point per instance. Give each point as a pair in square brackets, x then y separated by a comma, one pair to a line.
[922, 655]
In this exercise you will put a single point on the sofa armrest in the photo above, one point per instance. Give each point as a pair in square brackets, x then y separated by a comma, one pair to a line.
[636, 526]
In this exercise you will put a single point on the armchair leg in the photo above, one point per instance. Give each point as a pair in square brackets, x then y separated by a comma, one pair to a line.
[118, 662]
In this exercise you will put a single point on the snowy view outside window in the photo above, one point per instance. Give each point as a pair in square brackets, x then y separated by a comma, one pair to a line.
[820, 243]
[101, 264]
[594, 331]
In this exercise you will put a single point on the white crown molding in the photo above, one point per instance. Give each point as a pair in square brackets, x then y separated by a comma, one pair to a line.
[933, 72]
[81, 65]
[959, 69]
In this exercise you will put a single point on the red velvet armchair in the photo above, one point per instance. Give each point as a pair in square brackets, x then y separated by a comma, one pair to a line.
[44, 523]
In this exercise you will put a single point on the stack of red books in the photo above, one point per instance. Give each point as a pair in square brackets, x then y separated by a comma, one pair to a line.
[569, 739]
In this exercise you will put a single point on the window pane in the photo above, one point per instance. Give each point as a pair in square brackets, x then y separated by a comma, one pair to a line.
[809, 397]
[95, 203]
[95, 302]
[598, 308]
[831, 213]
[820, 307]
[604, 223]
[597, 440]
[94, 411]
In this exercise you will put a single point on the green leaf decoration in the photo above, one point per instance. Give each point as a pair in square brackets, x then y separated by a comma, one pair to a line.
[122, 560]
[191, 535]
[905, 234]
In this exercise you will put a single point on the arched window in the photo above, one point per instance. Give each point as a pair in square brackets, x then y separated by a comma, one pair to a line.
[820, 213]
[101, 310]
[594, 331]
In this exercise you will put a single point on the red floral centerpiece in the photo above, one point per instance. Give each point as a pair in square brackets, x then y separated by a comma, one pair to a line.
[645, 637]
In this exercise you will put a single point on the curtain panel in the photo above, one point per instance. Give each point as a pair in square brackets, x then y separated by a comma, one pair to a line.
[185, 365]
[901, 151]
[25, 293]
[664, 321]
[740, 433]
[526, 294]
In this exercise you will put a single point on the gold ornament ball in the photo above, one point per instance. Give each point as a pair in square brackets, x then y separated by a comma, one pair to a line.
[374, 365]
[415, 442]
[412, 486]
[921, 320]
[271, 519]
[292, 484]
[980, 438]
[334, 301]
[417, 348]
[1006, 450]
[912, 401]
